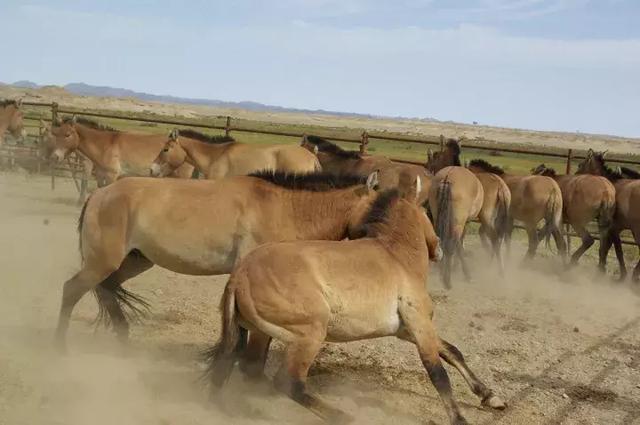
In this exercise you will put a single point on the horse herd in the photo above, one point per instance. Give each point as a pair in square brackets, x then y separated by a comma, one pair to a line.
[321, 244]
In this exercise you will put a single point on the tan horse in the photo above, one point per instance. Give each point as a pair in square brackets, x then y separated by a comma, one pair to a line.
[198, 227]
[306, 292]
[585, 198]
[112, 152]
[533, 199]
[494, 215]
[456, 196]
[338, 161]
[627, 216]
[219, 156]
[11, 119]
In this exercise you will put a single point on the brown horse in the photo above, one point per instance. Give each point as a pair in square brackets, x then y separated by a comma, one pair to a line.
[112, 152]
[494, 215]
[220, 156]
[198, 227]
[306, 292]
[533, 199]
[455, 197]
[336, 160]
[585, 198]
[11, 119]
[627, 216]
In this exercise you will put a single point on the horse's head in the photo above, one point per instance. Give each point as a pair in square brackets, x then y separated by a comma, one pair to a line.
[594, 163]
[543, 170]
[170, 157]
[449, 156]
[63, 138]
[305, 143]
[14, 118]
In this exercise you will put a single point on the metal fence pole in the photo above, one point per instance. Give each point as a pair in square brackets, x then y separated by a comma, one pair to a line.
[54, 120]
[567, 228]
[364, 141]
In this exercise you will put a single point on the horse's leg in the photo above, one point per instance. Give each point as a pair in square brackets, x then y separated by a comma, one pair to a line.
[112, 297]
[507, 236]
[635, 277]
[255, 356]
[605, 246]
[561, 245]
[422, 332]
[83, 281]
[496, 245]
[587, 241]
[482, 232]
[454, 357]
[617, 245]
[463, 261]
[446, 269]
[291, 378]
[532, 232]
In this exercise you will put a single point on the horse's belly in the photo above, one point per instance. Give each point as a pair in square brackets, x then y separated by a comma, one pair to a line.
[363, 322]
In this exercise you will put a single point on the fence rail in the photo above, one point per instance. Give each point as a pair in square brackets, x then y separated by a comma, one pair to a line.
[75, 165]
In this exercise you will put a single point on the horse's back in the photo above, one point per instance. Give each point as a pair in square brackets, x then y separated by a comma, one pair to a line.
[628, 204]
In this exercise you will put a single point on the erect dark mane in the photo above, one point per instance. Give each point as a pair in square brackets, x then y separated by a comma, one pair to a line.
[90, 123]
[630, 173]
[379, 209]
[313, 181]
[454, 147]
[543, 170]
[331, 148]
[193, 134]
[489, 168]
[8, 102]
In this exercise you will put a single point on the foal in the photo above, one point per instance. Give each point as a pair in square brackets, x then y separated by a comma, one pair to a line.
[307, 292]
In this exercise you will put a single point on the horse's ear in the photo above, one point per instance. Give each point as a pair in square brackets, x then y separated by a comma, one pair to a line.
[173, 136]
[19, 103]
[604, 154]
[315, 149]
[372, 180]
[418, 187]
[429, 155]
[618, 169]
[74, 119]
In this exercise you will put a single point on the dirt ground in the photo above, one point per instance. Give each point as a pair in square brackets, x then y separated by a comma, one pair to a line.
[560, 349]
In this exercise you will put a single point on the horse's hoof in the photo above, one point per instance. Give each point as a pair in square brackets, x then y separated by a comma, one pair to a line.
[494, 402]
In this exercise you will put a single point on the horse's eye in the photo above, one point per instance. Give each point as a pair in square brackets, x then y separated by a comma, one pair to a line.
[165, 150]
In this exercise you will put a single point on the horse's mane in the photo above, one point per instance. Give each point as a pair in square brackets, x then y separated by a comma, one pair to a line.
[8, 102]
[331, 148]
[630, 173]
[90, 123]
[379, 210]
[193, 134]
[313, 181]
[484, 165]
[545, 171]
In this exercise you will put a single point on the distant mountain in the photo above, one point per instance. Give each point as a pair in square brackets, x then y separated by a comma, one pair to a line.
[83, 89]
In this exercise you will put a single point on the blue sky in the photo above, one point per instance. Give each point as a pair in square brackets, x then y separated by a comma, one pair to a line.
[541, 64]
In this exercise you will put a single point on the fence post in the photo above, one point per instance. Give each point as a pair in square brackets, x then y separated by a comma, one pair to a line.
[442, 143]
[227, 127]
[567, 228]
[54, 113]
[54, 119]
[364, 141]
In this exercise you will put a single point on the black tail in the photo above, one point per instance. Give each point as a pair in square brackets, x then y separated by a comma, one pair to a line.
[502, 217]
[80, 224]
[550, 220]
[221, 357]
[445, 217]
[134, 307]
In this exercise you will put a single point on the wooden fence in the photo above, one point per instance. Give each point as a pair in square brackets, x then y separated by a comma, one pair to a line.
[74, 165]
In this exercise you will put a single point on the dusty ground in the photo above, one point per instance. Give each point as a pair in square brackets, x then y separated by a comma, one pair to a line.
[560, 351]
[415, 127]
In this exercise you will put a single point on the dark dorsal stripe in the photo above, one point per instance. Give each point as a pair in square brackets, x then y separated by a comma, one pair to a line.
[484, 165]
[193, 134]
[89, 123]
[326, 146]
[8, 102]
[314, 181]
[379, 209]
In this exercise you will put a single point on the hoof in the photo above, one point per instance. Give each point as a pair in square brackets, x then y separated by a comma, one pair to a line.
[494, 402]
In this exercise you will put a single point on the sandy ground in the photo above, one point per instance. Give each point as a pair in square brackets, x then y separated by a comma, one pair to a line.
[413, 127]
[560, 351]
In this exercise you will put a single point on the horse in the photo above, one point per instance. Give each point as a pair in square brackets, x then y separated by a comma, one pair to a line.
[494, 214]
[455, 197]
[627, 216]
[198, 227]
[217, 157]
[585, 198]
[11, 119]
[336, 160]
[113, 153]
[533, 199]
[306, 292]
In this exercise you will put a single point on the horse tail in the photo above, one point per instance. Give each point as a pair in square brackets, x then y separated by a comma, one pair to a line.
[81, 225]
[502, 214]
[552, 217]
[221, 357]
[445, 217]
[605, 214]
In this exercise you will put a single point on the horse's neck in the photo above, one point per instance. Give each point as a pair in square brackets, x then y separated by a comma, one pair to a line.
[94, 143]
[321, 215]
[203, 155]
[405, 241]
